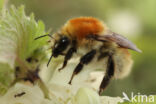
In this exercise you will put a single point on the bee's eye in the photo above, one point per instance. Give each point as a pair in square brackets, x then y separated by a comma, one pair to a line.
[64, 40]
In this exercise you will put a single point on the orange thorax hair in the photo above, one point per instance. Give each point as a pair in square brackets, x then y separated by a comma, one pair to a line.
[80, 27]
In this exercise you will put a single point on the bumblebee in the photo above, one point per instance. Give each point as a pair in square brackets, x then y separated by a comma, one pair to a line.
[91, 40]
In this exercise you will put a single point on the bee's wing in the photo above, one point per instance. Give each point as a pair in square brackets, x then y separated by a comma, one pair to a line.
[118, 39]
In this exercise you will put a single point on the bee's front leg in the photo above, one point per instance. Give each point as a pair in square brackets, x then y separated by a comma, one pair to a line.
[69, 54]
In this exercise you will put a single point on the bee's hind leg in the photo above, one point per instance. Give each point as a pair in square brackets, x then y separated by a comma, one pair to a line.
[108, 75]
[83, 61]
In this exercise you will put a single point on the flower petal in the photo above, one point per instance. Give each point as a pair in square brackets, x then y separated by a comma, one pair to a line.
[86, 96]
[31, 95]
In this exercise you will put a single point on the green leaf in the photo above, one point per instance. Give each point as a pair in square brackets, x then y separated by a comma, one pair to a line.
[17, 34]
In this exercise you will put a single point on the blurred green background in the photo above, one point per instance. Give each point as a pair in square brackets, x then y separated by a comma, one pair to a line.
[134, 19]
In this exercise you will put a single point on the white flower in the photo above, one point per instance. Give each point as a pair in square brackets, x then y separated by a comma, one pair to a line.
[61, 95]
[82, 91]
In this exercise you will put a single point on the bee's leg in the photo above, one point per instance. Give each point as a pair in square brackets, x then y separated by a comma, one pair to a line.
[68, 56]
[108, 75]
[83, 61]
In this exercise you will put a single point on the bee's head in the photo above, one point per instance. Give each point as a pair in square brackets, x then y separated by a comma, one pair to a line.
[60, 45]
